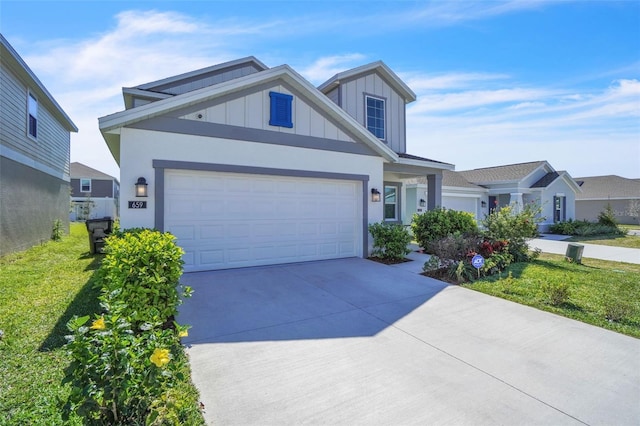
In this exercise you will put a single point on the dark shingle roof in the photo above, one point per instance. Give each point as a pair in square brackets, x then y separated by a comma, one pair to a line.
[546, 180]
[415, 157]
[611, 186]
[79, 170]
[450, 178]
[509, 172]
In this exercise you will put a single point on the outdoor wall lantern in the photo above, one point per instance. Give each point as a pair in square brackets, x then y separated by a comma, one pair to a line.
[375, 195]
[483, 204]
[141, 187]
[423, 203]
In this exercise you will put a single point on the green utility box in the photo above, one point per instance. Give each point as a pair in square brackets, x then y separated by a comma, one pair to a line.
[574, 252]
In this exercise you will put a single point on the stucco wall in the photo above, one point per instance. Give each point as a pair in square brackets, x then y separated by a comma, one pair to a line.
[589, 210]
[30, 202]
[140, 147]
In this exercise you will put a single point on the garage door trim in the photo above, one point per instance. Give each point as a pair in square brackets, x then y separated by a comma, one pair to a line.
[161, 165]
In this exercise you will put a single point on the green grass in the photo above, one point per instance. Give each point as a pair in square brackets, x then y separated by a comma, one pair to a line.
[630, 227]
[595, 287]
[42, 288]
[628, 241]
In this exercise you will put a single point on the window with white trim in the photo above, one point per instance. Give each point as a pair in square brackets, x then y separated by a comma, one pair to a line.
[391, 203]
[85, 185]
[32, 116]
[375, 116]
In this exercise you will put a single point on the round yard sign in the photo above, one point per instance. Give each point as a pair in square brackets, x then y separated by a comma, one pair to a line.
[477, 261]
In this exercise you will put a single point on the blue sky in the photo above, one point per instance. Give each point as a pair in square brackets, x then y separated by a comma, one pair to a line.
[498, 82]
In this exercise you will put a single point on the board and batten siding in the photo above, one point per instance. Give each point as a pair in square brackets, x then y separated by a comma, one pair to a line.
[253, 111]
[52, 146]
[353, 94]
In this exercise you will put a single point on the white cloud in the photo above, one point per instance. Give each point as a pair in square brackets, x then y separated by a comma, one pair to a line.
[586, 133]
[324, 68]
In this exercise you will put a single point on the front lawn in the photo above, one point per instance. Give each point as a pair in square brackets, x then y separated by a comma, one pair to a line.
[597, 290]
[42, 289]
[628, 241]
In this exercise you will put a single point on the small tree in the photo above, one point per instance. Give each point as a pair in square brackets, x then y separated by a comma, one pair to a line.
[86, 207]
[607, 217]
[516, 227]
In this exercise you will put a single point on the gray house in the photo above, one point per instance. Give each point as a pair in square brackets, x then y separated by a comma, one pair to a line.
[622, 194]
[93, 194]
[478, 191]
[249, 165]
[35, 136]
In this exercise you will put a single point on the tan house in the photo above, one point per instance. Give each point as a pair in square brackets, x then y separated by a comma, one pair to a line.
[599, 191]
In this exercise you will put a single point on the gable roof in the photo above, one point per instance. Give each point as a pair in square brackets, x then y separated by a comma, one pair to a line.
[608, 187]
[381, 68]
[546, 180]
[19, 66]
[192, 80]
[506, 173]
[79, 170]
[110, 124]
[451, 179]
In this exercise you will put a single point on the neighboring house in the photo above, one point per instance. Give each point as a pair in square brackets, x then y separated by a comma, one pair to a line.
[457, 194]
[35, 135]
[479, 190]
[249, 165]
[93, 194]
[599, 191]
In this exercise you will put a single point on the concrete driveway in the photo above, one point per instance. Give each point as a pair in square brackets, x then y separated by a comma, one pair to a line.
[349, 342]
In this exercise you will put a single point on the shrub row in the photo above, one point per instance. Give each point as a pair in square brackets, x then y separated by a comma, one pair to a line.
[502, 240]
[128, 366]
[582, 228]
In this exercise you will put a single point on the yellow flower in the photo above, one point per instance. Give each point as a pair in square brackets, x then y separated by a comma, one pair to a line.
[183, 333]
[98, 324]
[160, 357]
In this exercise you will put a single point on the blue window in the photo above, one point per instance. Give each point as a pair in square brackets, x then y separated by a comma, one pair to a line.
[375, 116]
[281, 114]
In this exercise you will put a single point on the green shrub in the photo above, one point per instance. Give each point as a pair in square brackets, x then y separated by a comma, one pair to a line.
[516, 227]
[607, 217]
[462, 271]
[432, 264]
[390, 241]
[556, 293]
[57, 231]
[616, 310]
[582, 228]
[439, 223]
[142, 268]
[128, 366]
[116, 374]
[454, 248]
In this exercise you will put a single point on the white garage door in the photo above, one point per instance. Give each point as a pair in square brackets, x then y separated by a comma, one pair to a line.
[464, 204]
[231, 220]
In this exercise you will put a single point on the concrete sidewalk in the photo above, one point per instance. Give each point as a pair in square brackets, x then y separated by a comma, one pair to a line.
[549, 244]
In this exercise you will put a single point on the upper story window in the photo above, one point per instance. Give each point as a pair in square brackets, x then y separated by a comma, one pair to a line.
[32, 110]
[85, 185]
[281, 110]
[375, 116]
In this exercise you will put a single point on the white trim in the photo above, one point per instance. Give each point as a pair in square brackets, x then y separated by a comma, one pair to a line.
[111, 124]
[384, 118]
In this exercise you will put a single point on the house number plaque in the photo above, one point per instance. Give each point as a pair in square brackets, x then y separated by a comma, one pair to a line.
[137, 204]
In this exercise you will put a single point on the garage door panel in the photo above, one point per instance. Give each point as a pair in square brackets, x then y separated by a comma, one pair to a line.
[225, 220]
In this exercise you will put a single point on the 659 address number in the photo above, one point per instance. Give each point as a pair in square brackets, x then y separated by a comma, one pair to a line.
[137, 204]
